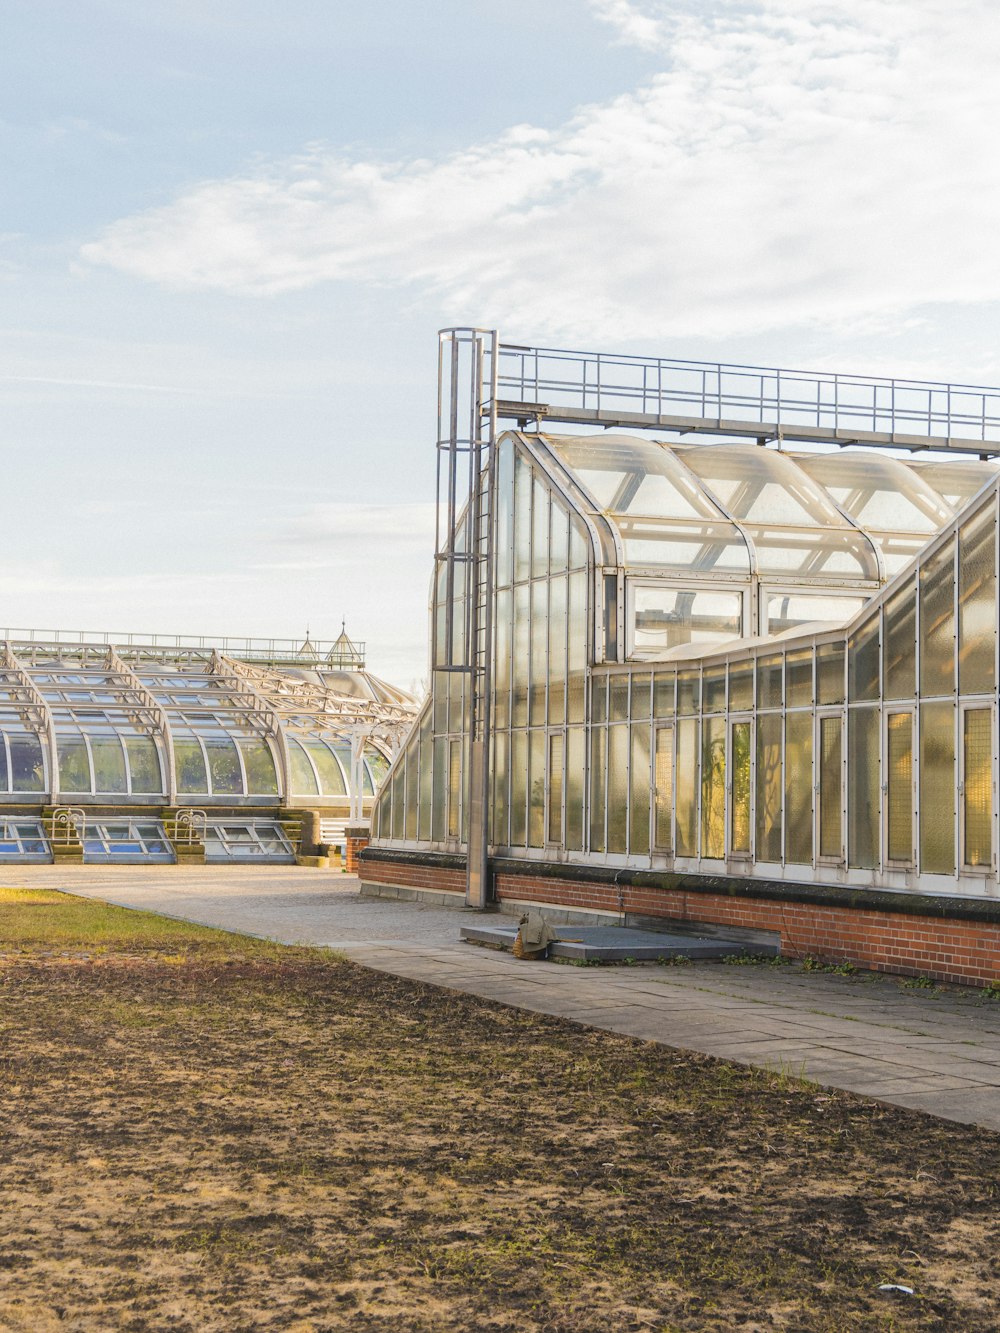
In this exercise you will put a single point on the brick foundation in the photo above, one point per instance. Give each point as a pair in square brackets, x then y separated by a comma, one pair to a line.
[920, 939]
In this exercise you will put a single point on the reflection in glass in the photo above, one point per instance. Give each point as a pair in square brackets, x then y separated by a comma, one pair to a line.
[769, 787]
[739, 820]
[664, 794]
[937, 788]
[664, 617]
[899, 783]
[713, 788]
[831, 793]
[798, 788]
[977, 603]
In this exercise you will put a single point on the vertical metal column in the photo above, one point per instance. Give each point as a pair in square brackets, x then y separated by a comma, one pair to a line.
[463, 562]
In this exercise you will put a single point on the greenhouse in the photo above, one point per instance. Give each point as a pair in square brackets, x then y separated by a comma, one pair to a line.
[159, 750]
[725, 679]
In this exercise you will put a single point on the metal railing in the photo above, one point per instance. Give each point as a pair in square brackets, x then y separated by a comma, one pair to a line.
[785, 400]
[309, 652]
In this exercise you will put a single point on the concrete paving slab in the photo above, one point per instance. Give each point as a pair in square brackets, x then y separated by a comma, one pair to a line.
[932, 1051]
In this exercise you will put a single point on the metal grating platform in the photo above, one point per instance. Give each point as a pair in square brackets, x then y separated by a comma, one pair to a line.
[615, 944]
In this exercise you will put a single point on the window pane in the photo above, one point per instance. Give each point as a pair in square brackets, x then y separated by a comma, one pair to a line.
[303, 777]
[26, 768]
[144, 765]
[863, 804]
[978, 753]
[640, 793]
[224, 765]
[798, 788]
[769, 787]
[331, 776]
[831, 788]
[770, 689]
[522, 519]
[522, 648]
[687, 787]
[454, 788]
[899, 653]
[799, 679]
[557, 651]
[663, 617]
[830, 673]
[977, 592]
[713, 788]
[501, 778]
[937, 788]
[575, 770]
[518, 788]
[899, 780]
[109, 764]
[937, 622]
[536, 778]
[74, 764]
[598, 760]
[617, 788]
[739, 821]
[664, 779]
[539, 651]
[556, 774]
[863, 661]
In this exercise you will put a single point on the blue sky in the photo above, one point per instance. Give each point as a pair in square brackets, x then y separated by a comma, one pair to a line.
[229, 232]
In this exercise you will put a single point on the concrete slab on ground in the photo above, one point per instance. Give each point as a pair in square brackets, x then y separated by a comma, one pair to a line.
[610, 944]
[936, 1051]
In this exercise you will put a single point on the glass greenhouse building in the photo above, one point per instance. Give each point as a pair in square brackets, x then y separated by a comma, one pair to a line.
[160, 750]
[742, 685]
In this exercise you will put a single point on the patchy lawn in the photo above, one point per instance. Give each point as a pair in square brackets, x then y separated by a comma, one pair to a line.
[200, 1131]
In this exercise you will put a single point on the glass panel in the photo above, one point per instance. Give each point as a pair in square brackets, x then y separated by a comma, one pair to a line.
[522, 648]
[74, 764]
[937, 622]
[798, 788]
[144, 765]
[578, 646]
[539, 651]
[518, 788]
[937, 788]
[522, 519]
[302, 773]
[713, 788]
[598, 761]
[618, 745]
[640, 792]
[501, 666]
[4, 784]
[505, 513]
[579, 544]
[689, 692]
[769, 682]
[663, 617]
[639, 698]
[556, 774]
[664, 779]
[439, 784]
[740, 686]
[739, 819]
[618, 699]
[425, 781]
[26, 769]
[498, 832]
[799, 678]
[559, 537]
[109, 764]
[899, 781]
[977, 742]
[540, 531]
[830, 673]
[863, 661]
[454, 788]
[664, 689]
[769, 787]
[557, 651]
[714, 687]
[687, 787]
[575, 770]
[412, 777]
[224, 765]
[787, 610]
[977, 603]
[830, 788]
[536, 777]
[899, 652]
[863, 803]
[331, 775]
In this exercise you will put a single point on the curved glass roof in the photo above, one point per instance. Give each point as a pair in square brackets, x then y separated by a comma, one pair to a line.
[834, 519]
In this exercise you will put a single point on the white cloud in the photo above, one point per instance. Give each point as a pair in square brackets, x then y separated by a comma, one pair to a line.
[794, 163]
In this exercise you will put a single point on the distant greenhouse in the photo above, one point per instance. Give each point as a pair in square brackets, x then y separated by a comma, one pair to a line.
[120, 748]
[739, 675]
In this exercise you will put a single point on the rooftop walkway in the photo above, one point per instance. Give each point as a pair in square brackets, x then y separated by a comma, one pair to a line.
[931, 1050]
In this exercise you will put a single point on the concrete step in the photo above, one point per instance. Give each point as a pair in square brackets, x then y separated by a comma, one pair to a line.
[615, 944]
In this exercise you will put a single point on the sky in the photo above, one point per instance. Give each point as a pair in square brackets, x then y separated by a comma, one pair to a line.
[230, 230]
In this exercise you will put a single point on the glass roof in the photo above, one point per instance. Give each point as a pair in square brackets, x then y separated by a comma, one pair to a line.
[850, 517]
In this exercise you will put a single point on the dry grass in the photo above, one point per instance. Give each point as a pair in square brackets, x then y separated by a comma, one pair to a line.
[200, 1131]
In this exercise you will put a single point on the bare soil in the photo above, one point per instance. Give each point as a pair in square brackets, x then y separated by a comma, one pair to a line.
[235, 1138]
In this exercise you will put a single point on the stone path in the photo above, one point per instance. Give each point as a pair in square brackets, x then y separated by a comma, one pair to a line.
[930, 1050]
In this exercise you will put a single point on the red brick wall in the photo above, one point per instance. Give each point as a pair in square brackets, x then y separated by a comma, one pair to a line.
[947, 949]
[352, 845]
[944, 948]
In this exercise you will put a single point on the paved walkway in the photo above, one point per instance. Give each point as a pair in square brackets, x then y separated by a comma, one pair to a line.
[935, 1051]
